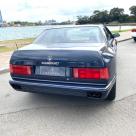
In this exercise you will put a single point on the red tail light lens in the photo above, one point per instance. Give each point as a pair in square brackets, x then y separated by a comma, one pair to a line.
[20, 70]
[91, 73]
[133, 30]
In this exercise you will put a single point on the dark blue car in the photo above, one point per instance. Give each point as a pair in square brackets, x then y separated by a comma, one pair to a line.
[72, 60]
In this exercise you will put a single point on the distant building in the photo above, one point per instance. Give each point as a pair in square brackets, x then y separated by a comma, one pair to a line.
[1, 20]
[50, 22]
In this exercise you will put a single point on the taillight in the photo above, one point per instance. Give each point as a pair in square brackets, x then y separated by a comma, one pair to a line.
[91, 73]
[133, 30]
[20, 69]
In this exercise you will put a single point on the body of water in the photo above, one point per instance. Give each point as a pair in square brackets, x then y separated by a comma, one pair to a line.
[11, 33]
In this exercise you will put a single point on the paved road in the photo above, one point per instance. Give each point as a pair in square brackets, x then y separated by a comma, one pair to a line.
[43, 115]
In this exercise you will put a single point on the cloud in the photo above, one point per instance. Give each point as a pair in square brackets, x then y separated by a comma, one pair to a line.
[32, 10]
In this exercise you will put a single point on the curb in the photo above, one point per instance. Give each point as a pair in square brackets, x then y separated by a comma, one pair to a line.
[125, 40]
[5, 70]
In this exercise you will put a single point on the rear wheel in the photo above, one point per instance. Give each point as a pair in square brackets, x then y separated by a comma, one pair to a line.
[134, 39]
[112, 93]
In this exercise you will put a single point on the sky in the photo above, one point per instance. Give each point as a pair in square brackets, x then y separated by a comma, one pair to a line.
[60, 10]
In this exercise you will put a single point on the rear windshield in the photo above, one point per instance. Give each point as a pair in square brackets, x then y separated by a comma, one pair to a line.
[71, 35]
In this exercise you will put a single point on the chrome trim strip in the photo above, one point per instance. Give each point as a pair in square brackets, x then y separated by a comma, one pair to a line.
[58, 81]
[111, 83]
[59, 86]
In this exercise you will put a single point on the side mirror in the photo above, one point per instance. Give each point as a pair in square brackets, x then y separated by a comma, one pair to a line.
[115, 35]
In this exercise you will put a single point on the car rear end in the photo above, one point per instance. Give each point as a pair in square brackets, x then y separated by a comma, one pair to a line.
[78, 64]
[80, 73]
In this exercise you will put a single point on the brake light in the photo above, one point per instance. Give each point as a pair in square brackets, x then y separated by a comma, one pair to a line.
[91, 73]
[133, 30]
[20, 69]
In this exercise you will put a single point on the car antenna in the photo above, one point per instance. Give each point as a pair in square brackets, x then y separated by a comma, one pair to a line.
[16, 46]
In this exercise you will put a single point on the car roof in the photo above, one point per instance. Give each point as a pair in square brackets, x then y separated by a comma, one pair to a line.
[74, 26]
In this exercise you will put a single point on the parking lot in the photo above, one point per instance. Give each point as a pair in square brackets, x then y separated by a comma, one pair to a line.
[50, 115]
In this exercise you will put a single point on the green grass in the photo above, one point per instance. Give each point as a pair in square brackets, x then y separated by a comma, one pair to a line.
[17, 41]
[117, 31]
[10, 45]
[6, 49]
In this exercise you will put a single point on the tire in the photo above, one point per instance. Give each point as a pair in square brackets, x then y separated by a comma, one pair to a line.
[112, 94]
[134, 39]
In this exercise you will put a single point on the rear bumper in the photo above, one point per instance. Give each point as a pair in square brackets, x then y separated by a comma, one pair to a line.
[94, 92]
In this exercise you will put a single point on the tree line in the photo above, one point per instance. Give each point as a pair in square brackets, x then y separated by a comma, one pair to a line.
[115, 15]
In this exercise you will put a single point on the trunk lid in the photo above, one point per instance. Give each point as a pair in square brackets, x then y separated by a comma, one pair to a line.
[55, 57]
[66, 58]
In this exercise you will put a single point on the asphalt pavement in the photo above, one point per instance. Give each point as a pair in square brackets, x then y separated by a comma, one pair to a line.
[50, 115]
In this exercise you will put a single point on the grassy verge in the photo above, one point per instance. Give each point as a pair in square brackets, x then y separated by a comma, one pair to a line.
[10, 45]
[6, 49]
[9, 48]
[117, 31]
[28, 40]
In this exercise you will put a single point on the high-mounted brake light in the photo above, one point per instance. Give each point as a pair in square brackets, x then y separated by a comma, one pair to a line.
[20, 69]
[91, 73]
[133, 30]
